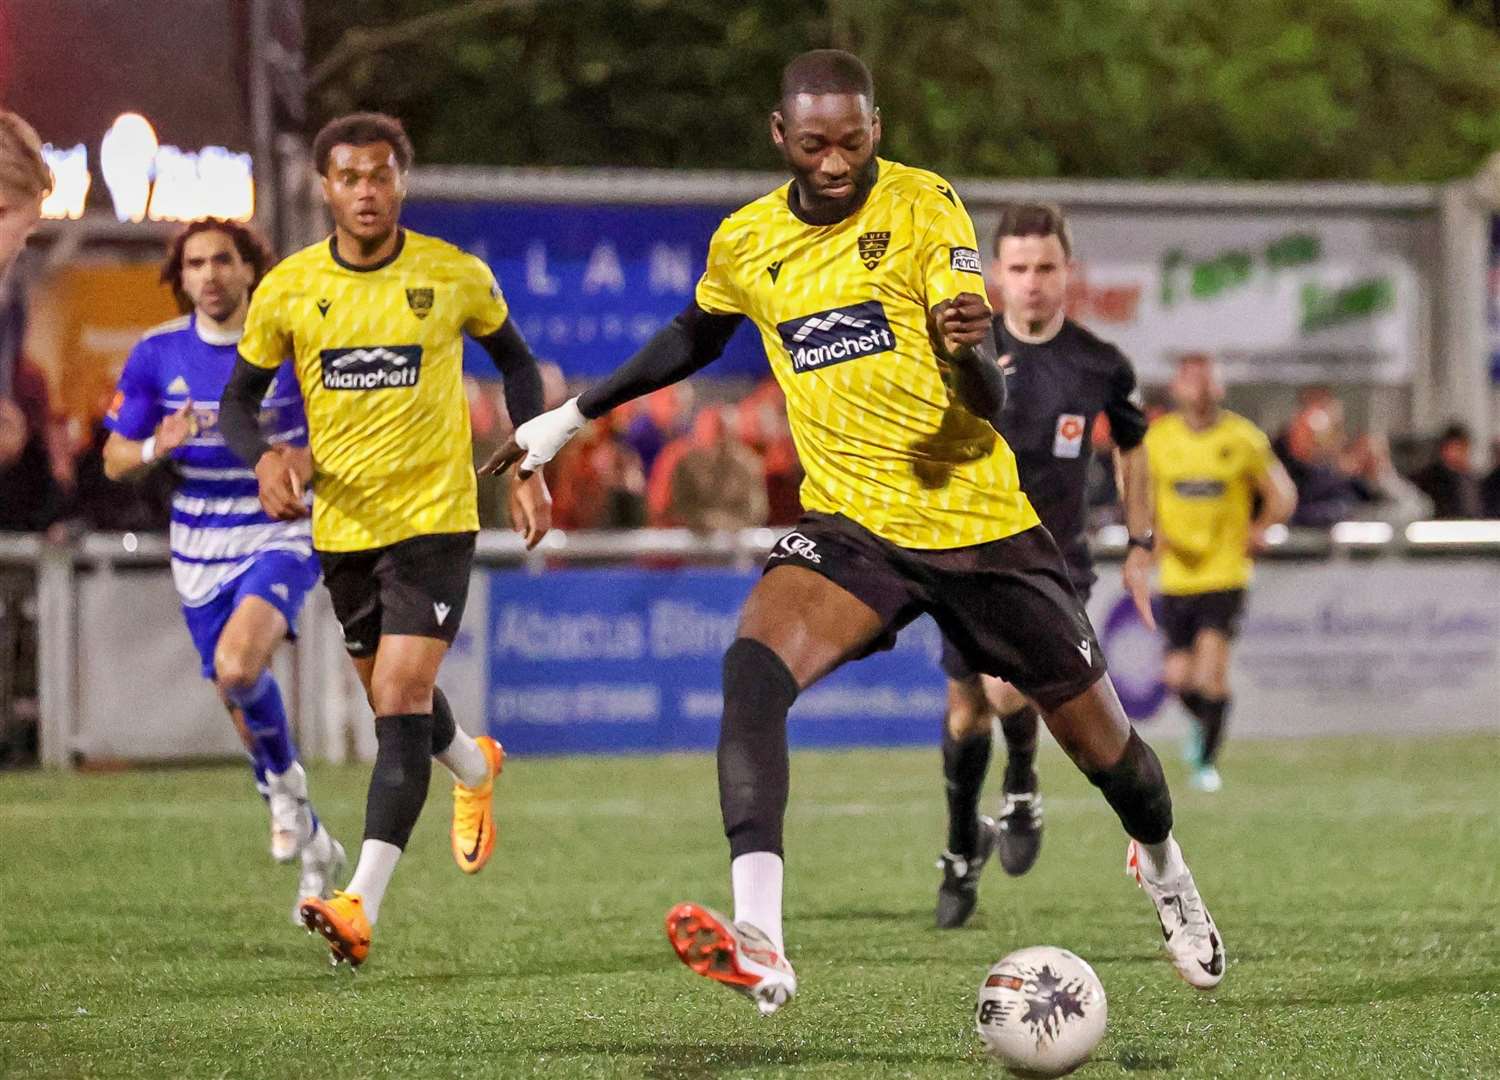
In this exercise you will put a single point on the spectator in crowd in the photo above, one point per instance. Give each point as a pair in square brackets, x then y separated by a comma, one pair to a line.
[1449, 481]
[663, 417]
[1337, 479]
[717, 482]
[29, 499]
[1490, 490]
[764, 429]
[599, 482]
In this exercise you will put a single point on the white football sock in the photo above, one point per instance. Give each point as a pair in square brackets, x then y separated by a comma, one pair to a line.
[319, 849]
[757, 893]
[377, 862]
[293, 782]
[1162, 862]
[465, 760]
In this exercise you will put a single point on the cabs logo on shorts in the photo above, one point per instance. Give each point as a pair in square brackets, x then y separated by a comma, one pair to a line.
[965, 259]
[372, 367]
[420, 302]
[830, 337]
[795, 545]
[872, 246]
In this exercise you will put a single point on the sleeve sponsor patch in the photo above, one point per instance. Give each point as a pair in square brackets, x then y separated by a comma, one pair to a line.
[966, 259]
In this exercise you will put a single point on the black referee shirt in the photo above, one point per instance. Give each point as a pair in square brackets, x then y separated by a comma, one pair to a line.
[1056, 390]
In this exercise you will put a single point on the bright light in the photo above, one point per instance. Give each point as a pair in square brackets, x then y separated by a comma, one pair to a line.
[70, 173]
[1362, 533]
[1453, 532]
[127, 157]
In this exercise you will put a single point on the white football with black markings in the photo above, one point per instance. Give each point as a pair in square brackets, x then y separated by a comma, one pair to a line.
[1041, 1011]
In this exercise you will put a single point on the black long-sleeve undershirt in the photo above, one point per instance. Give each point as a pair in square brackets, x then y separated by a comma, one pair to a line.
[518, 367]
[689, 343]
[239, 410]
[979, 381]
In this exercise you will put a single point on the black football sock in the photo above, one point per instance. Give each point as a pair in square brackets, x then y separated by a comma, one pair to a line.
[1137, 791]
[398, 784]
[1020, 731]
[754, 771]
[444, 727]
[1215, 713]
[965, 762]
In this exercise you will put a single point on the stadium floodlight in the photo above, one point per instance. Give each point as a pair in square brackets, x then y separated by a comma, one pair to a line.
[1453, 532]
[71, 181]
[1362, 533]
[127, 157]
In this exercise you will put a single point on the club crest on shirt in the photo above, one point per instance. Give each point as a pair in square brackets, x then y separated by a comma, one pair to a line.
[420, 302]
[872, 247]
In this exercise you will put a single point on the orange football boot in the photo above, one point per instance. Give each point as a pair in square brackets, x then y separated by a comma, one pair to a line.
[473, 832]
[342, 922]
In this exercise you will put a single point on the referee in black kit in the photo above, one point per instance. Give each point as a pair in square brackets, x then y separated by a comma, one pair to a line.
[1060, 377]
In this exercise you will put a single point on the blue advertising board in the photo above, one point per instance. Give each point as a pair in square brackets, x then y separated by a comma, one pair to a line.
[588, 285]
[602, 661]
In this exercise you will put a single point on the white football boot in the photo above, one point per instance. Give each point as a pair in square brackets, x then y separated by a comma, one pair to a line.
[1187, 929]
[323, 863]
[736, 954]
[291, 813]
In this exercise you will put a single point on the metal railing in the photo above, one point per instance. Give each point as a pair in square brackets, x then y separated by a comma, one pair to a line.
[56, 570]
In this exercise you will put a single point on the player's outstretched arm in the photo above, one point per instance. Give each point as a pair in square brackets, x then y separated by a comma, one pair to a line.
[687, 344]
[964, 331]
[282, 471]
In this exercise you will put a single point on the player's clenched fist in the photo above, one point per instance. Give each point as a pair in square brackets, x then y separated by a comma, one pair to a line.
[962, 322]
[283, 473]
[537, 441]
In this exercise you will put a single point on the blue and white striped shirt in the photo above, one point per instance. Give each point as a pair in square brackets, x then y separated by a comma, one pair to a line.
[218, 526]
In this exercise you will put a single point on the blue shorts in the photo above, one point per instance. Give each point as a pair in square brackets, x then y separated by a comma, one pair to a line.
[280, 578]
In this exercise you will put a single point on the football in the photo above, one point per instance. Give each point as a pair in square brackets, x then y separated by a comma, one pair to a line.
[1041, 1011]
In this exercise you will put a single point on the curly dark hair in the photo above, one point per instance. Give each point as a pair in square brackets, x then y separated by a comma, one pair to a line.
[252, 247]
[361, 129]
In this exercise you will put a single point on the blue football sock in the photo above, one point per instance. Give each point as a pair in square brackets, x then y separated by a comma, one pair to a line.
[258, 767]
[265, 720]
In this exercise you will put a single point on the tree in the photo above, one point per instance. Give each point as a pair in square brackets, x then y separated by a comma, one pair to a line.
[1277, 89]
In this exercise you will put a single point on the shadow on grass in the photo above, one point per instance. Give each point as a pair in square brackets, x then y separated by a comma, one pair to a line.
[693, 1061]
[1143, 1061]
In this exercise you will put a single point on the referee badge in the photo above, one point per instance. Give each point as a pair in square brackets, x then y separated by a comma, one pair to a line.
[420, 302]
[872, 246]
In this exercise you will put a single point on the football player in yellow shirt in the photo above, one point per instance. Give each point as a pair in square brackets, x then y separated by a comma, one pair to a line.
[373, 319]
[1208, 466]
[863, 277]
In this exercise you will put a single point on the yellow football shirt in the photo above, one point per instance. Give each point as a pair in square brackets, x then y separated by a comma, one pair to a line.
[379, 356]
[842, 310]
[1204, 484]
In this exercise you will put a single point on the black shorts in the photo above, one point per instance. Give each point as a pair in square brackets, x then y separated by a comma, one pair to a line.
[957, 668]
[1007, 607]
[416, 586]
[1181, 617]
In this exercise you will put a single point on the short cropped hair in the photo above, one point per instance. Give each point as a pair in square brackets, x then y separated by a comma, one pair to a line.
[23, 170]
[1034, 219]
[251, 246]
[362, 129]
[827, 71]
[1455, 432]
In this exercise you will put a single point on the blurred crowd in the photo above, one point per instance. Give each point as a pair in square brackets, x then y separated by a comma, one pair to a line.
[665, 461]
[672, 459]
